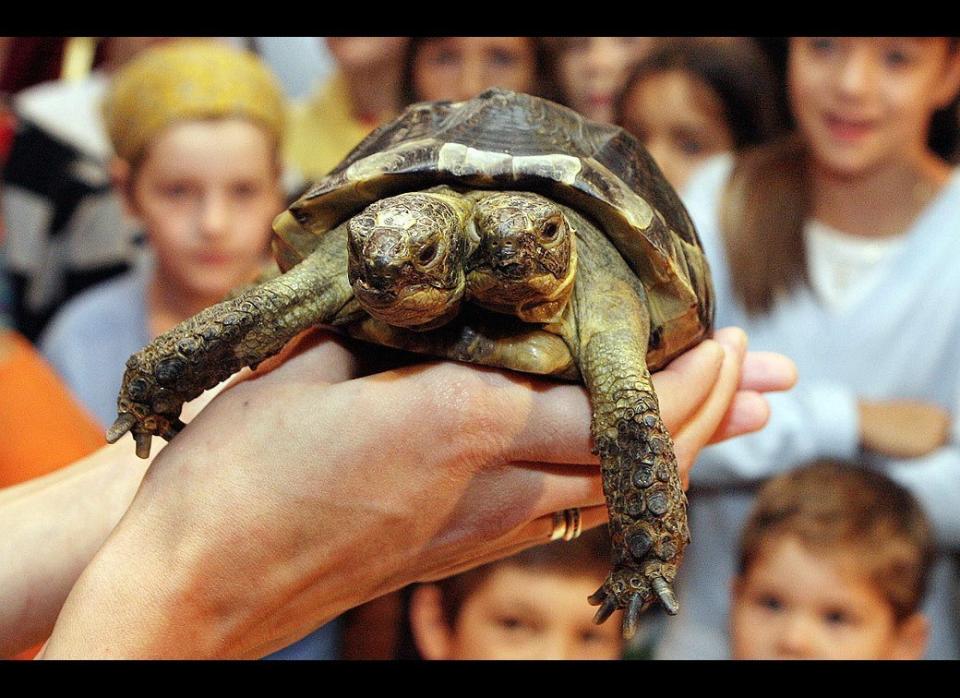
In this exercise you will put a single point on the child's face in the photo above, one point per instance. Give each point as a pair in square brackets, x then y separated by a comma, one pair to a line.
[460, 67]
[796, 604]
[679, 119]
[864, 102]
[206, 193]
[594, 68]
[364, 52]
[521, 613]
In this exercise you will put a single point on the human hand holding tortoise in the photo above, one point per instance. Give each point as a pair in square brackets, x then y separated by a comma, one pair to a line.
[237, 546]
[505, 231]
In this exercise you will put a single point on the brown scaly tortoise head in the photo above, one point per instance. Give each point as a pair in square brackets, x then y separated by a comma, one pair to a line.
[407, 254]
[526, 262]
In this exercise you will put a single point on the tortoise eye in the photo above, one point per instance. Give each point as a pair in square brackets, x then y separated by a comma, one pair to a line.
[428, 253]
[550, 231]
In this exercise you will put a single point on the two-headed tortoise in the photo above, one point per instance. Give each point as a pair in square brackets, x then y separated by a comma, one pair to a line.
[570, 253]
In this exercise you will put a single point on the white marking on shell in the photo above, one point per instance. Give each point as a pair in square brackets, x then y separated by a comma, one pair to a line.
[636, 210]
[366, 168]
[561, 168]
[463, 161]
[376, 164]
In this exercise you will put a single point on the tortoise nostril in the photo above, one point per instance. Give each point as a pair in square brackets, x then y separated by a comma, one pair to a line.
[378, 282]
[505, 250]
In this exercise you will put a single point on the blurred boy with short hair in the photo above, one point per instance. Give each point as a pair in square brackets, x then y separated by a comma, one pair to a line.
[532, 605]
[833, 565]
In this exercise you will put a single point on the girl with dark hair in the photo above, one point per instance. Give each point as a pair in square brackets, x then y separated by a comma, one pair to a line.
[592, 70]
[838, 246]
[460, 67]
[692, 98]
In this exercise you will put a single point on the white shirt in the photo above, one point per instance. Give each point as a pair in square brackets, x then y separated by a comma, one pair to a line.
[844, 267]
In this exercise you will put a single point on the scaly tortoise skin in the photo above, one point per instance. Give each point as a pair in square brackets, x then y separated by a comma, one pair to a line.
[437, 234]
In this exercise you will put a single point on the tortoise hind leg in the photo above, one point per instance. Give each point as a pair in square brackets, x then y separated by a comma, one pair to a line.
[211, 346]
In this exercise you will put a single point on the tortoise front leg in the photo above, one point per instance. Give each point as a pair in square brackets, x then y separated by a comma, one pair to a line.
[211, 346]
[646, 503]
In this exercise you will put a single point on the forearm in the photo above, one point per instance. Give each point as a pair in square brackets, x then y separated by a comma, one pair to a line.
[808, 422]
[935, 481]
[52, 527]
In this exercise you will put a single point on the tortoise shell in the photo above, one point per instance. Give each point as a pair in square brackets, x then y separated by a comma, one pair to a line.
[514, 141]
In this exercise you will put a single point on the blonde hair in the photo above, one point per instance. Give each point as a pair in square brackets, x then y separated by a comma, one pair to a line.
[832, 505]
[184, 80]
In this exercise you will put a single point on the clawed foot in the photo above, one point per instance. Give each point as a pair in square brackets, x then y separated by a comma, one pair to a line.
[146, 408]
[158, 380]
[634, 592]
[180, 364]
[143, 429]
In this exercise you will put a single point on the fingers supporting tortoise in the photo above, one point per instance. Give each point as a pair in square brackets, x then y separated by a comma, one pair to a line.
[556, 424]
[686, 382]
[697, 431]
[748, 412]
[767, 371]
[533, 533]
[549, 422]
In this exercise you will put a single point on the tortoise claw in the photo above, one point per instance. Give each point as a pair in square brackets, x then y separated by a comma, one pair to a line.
[665, 592]
[597, 597]
[606, 610]
[143, 440]
[121, 426]
[631, 618]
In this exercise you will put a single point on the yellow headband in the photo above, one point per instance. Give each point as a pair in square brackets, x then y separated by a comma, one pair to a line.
[188, 79]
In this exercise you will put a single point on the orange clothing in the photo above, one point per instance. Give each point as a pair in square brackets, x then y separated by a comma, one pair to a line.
[42, 427]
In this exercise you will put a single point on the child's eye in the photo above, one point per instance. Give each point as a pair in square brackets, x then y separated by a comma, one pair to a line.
[503, 58]
[837, 617]
[896, 58]
[245, 190]
[823, 45]
[176, 190]
[589, 637]
[770, 602]
[446, 56]
[689, 146]
[513, 624]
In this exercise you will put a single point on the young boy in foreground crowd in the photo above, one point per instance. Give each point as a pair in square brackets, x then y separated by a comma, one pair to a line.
[833, 565]
[532, 605]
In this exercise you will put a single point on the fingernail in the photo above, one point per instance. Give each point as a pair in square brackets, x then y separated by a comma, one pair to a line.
[733, 338]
